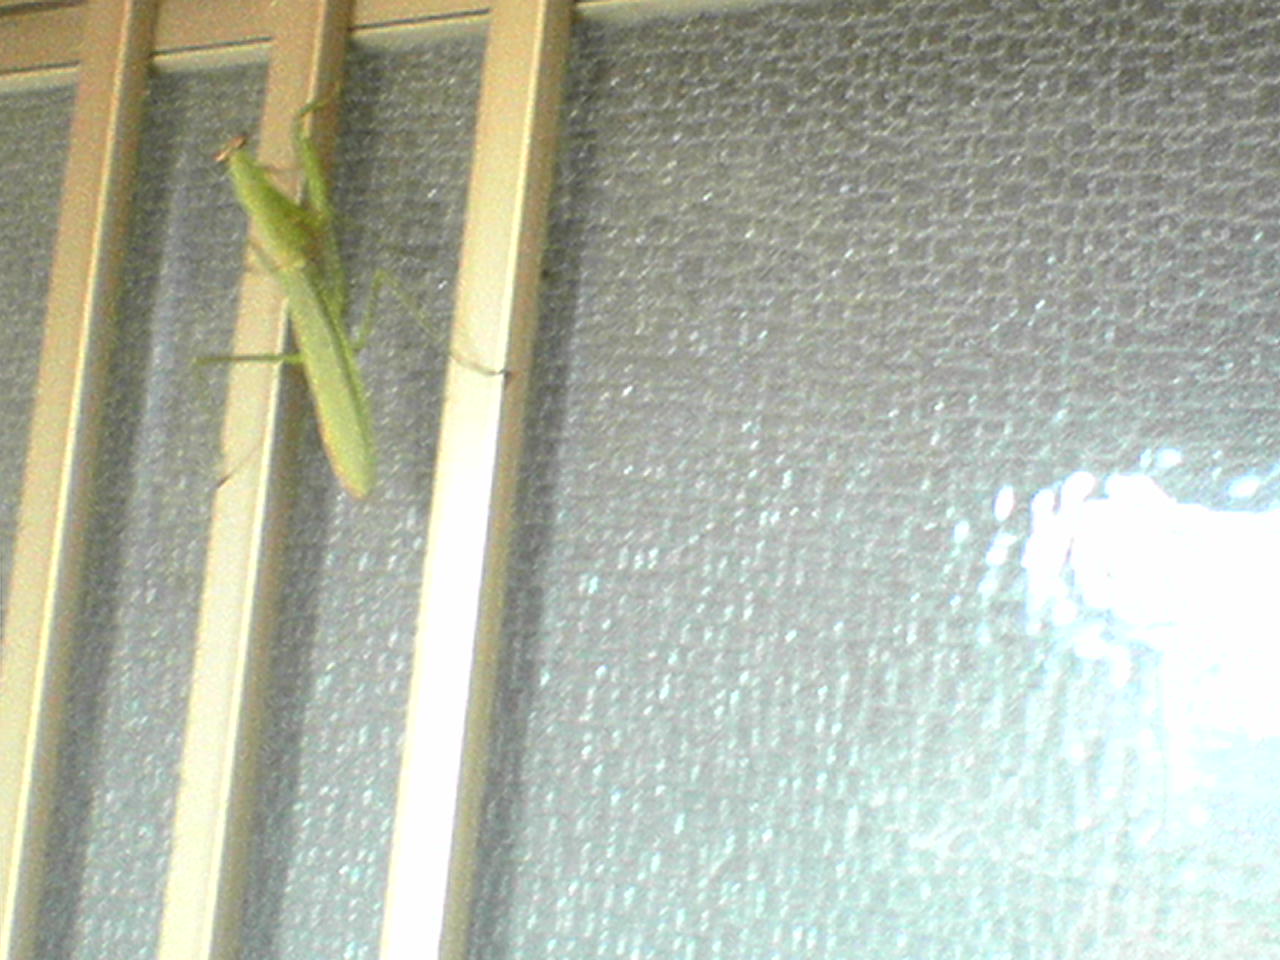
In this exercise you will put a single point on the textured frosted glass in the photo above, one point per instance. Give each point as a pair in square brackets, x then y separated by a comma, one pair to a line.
[899, 518]
[340, 661]
[36, 124]
[146, 538]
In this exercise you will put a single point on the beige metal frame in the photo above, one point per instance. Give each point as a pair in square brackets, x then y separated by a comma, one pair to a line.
[51, 37]
[451, 696]
[212, 820]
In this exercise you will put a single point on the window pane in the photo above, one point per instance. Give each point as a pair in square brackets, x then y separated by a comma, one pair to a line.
[158, 467]
[892, 351]
[31, 163]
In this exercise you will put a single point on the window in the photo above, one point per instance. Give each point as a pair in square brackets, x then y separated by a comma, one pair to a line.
[864, 555]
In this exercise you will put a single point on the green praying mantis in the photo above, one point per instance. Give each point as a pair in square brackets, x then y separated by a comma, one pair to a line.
[297, 244]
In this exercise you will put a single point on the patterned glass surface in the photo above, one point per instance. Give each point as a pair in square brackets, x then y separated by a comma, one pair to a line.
[900, 510]
[158, 466]
[30, 186]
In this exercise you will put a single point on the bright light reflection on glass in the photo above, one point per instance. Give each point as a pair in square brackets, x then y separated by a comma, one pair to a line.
[1116, 566]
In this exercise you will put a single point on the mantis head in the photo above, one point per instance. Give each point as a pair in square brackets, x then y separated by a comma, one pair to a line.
[237, 142]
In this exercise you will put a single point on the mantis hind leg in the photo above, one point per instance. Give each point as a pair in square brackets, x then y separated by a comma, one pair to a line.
[382, 279]
[223, 358]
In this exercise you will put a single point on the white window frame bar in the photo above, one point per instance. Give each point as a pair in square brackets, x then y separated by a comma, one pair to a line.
[451, 693]
[65, 422]
[213, 817]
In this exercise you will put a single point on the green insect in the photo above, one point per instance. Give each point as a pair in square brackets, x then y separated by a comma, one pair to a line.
[297, 245]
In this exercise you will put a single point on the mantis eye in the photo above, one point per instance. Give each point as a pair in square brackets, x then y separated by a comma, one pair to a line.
[235, 143]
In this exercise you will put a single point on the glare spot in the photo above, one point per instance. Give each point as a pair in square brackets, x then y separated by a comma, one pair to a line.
[1120, 573]
[1244, 487]
[1135, 569]
[998, 552]
[1004, 503]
